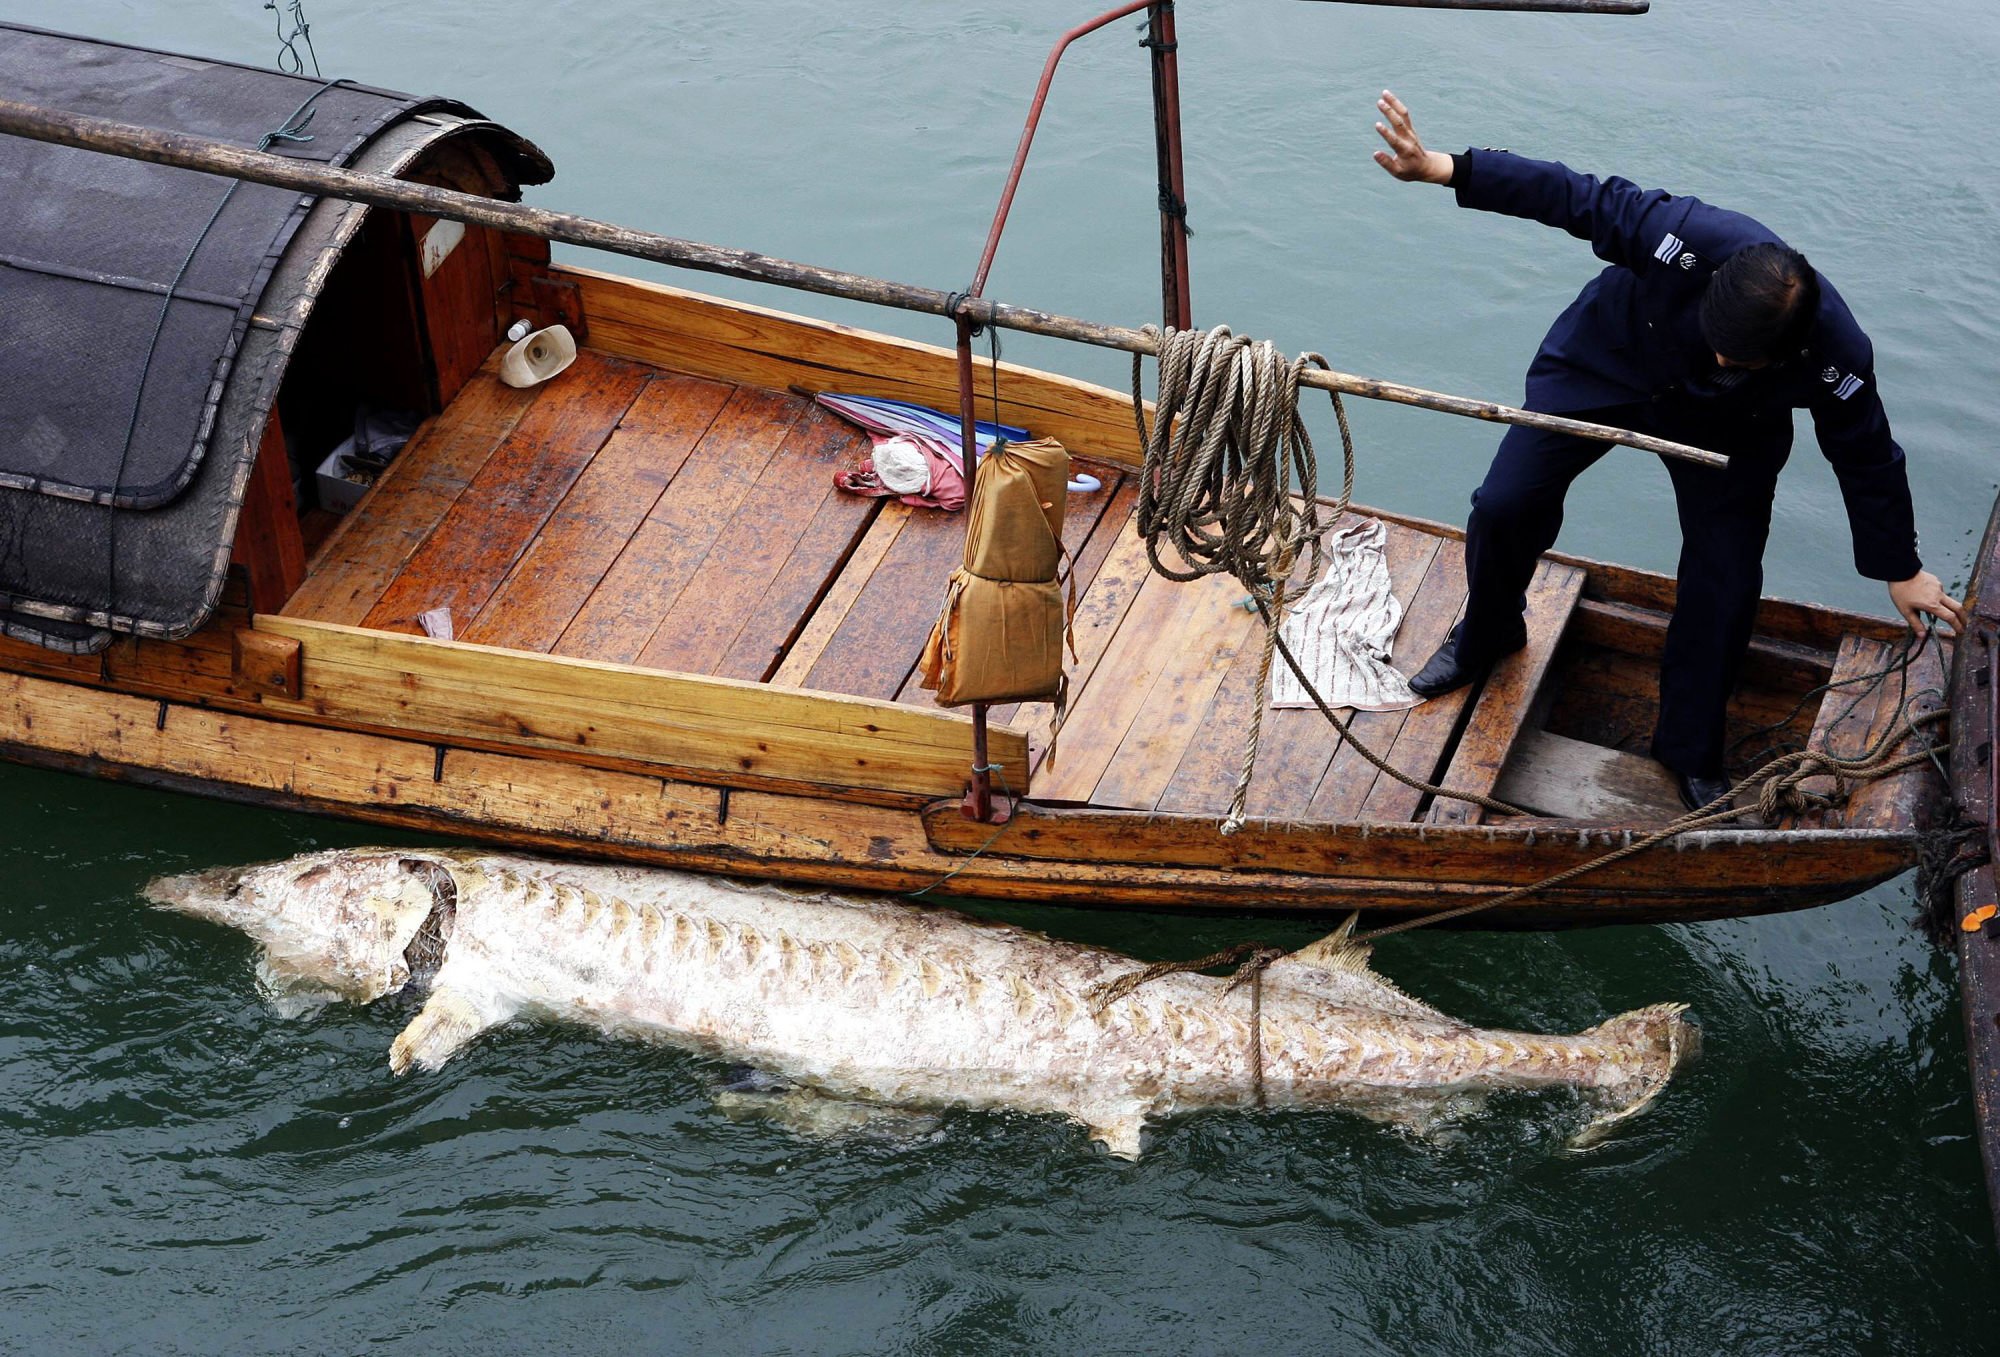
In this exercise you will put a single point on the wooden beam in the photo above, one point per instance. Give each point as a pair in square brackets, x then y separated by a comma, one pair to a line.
[524, 800]
[1557, 776]
[269, 545]
[1509, 695]
[268, 665]
[1770, 663]
[1767, 869]
[450, 690]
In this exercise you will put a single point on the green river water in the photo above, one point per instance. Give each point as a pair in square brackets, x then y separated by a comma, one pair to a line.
[181, 1170]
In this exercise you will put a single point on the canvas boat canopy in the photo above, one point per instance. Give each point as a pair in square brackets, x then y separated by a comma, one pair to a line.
[148, 315]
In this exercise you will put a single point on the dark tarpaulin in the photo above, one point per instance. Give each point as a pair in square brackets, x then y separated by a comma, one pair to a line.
[89, 245]
[112, 396]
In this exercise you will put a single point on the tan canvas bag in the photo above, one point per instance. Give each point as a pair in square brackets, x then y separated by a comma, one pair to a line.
[1000, 636]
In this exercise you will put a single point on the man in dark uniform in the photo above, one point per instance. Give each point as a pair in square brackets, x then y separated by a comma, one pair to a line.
[1705, 329]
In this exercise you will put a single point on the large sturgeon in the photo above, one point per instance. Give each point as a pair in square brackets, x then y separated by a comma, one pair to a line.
[883, 1002]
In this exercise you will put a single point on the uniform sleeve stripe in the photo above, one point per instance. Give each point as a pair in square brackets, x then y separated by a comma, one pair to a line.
[1847, 387]
[1670, 245]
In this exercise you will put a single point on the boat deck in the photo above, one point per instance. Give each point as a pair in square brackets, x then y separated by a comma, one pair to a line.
[629, 514]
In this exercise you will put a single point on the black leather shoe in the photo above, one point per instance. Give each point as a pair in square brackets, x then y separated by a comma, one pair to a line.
[1697, 792]
[1445, 672]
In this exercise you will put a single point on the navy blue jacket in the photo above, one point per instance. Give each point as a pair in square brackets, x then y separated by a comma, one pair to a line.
[1633, 336]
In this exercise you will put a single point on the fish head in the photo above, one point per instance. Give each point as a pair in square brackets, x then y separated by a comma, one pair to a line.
[339, 924]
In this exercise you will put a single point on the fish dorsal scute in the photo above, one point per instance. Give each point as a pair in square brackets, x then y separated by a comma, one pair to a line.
[1335, 968]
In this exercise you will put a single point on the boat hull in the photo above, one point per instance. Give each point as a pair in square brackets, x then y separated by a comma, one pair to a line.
[1077, 857]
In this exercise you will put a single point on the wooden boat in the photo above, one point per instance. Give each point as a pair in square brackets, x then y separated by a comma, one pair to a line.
[678, 644]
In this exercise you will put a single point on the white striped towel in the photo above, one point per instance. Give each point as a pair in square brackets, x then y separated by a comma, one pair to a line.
[1341, 629]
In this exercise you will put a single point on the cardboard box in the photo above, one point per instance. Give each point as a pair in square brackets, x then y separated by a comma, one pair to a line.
[336, 492]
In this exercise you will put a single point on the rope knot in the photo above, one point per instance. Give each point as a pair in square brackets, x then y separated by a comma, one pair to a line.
[1249, 958]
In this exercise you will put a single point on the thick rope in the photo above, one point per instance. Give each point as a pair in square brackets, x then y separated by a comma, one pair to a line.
[1240, 798]
[1231, 480]
[1230, 483]
[1249, 958]
[1226, 451]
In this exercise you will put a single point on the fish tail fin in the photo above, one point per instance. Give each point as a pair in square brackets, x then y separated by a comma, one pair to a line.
[448, 1021]
[1664, 1041]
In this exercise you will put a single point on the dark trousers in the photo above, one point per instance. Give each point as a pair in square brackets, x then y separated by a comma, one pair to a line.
[1725, 517]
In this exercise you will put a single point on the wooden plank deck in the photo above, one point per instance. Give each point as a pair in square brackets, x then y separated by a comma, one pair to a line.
[524, 478]
[1297, 746]
[1413, 740]
[621, 514]
[1508, 698]
[630, 515]
[658, 560]
[560, 569]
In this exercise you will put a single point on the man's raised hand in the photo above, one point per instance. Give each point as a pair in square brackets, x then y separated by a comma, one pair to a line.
[1406, 157]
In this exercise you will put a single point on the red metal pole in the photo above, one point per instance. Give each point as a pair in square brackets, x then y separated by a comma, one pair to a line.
[1176, 309]
[979, 796]
[1028, 135]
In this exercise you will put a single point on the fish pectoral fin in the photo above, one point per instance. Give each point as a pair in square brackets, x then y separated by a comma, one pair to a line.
[449, 1019]
[1120, 1134]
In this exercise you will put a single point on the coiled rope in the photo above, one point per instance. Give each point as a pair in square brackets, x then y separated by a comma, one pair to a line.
[1226, 450]
[1230, 484]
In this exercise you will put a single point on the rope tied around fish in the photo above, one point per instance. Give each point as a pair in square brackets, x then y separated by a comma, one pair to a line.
[1250, 959]
[1781, 790]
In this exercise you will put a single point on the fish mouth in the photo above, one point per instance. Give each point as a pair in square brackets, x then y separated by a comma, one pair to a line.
[423, 955]
[205, 894]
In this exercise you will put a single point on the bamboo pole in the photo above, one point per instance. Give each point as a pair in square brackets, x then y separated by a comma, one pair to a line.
[186, 151]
